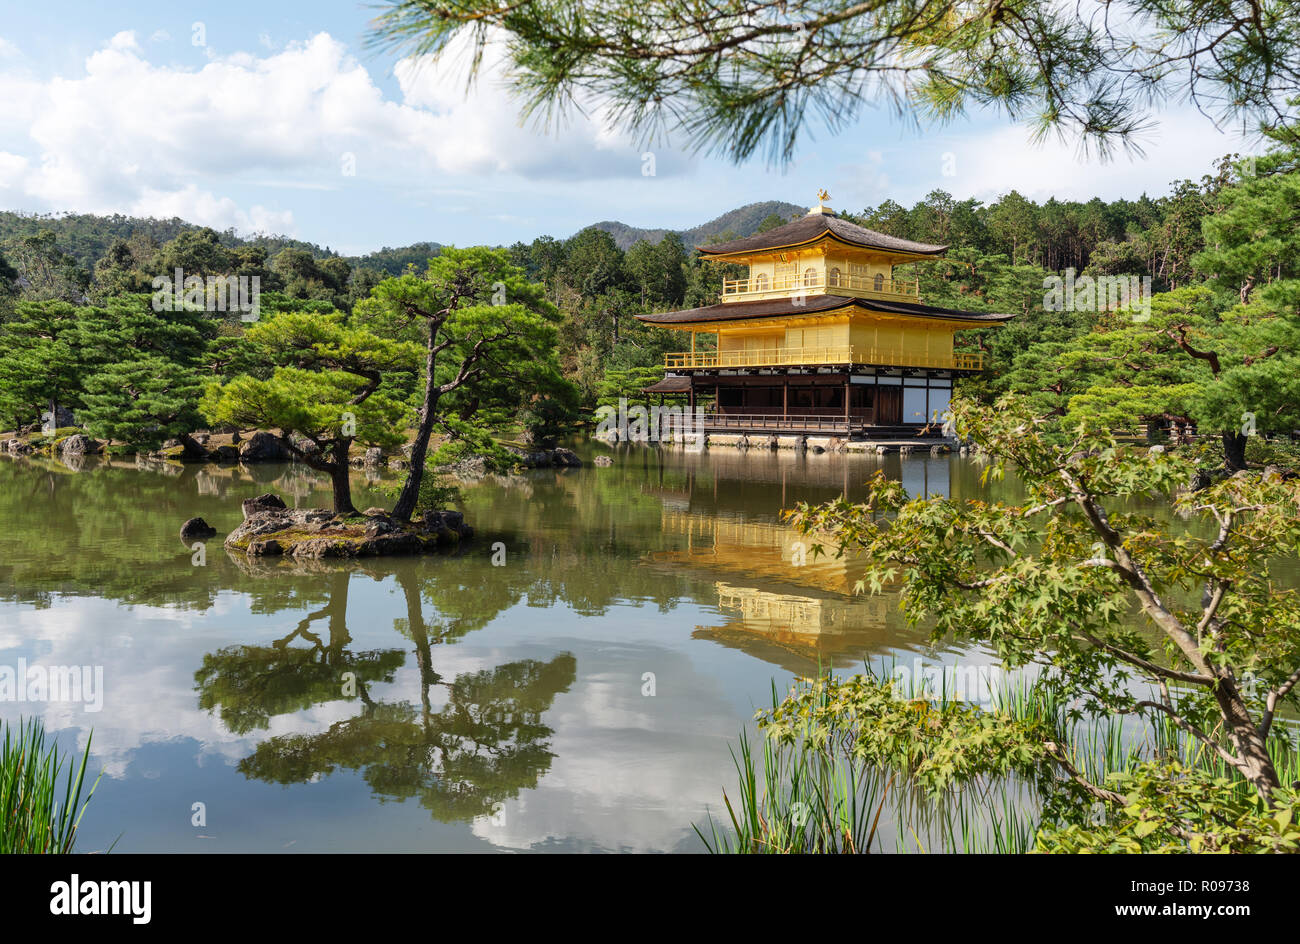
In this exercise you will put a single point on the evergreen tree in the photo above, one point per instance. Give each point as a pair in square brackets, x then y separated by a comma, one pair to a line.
[43, 367]
[143, 401]
[326, 387]
[142, 382]
[481, 322]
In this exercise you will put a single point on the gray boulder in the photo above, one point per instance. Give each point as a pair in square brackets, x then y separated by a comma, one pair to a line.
[377, 526]
[265, 502]
[268, 520]
[265, 547]
[79, 444]
[447, 526]
[303, 444]
[264, 447]
[196, 528]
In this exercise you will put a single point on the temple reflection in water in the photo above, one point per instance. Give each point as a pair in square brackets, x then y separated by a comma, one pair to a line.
[781, 603]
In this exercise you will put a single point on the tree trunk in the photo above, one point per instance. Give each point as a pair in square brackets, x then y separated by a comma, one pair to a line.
[1234, 450]
[339, 472]
[405, 506]
[340, 477]
[1251, 749]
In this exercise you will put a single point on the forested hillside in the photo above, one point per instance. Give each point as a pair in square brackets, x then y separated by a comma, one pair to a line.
[86, 237]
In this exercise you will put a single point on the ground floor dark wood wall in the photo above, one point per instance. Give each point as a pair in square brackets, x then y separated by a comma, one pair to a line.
[872, 399]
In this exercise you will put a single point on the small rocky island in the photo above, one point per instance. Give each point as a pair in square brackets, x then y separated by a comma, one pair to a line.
[270, 529]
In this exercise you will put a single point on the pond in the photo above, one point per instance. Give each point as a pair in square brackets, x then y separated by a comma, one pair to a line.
[570, 680]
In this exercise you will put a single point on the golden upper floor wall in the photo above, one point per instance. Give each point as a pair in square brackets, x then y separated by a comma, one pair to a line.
[854, 336]
[820, 254]
[820, 271]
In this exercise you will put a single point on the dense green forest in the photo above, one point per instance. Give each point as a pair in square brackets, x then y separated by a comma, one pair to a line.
[1218, 253]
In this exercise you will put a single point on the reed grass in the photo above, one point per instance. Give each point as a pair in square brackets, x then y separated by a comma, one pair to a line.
[794, 798]
[40, 801]
[799, 800]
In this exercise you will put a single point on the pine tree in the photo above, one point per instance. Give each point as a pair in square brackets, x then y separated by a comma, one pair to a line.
[142, 371]
[142, 400]
[42, 368]
[488, 334]
[326, 386]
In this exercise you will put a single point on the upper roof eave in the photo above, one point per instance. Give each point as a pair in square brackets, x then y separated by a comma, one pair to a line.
[817, 226]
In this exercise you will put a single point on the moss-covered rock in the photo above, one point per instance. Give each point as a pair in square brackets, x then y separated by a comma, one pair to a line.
[268, 529]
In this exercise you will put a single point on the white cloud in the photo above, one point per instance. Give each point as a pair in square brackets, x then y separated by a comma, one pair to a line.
[124, 42]
[201, 206]
[1185, 145]
[481, 133]
[160, 36]
[989, 158]
[107, 141]
[8, 50]
[12, 167]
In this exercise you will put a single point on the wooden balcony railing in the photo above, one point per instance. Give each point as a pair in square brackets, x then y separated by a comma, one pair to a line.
[819, 356]
[737, 289]
[762, 357]
[829, 422]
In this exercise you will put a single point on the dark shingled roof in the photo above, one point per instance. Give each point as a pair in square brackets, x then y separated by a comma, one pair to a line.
[814, 226]
[813, 304]
[669, 384]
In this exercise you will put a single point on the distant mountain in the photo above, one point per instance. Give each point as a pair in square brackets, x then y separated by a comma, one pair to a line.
[736, 224]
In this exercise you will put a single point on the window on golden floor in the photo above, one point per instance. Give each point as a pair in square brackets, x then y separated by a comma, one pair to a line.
[878, 283]
[833, 278]
[809, 277]
[760, 282]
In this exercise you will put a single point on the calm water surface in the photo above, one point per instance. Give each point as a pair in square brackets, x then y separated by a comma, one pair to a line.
[440, 703]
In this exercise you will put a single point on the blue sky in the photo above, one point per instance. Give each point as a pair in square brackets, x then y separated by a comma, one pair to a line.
[251, 115]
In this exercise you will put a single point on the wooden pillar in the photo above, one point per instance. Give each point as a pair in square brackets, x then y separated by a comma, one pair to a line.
[848, 423]
[785, 397]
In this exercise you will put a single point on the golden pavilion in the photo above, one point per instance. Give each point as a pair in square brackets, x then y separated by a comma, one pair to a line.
[819, 336]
